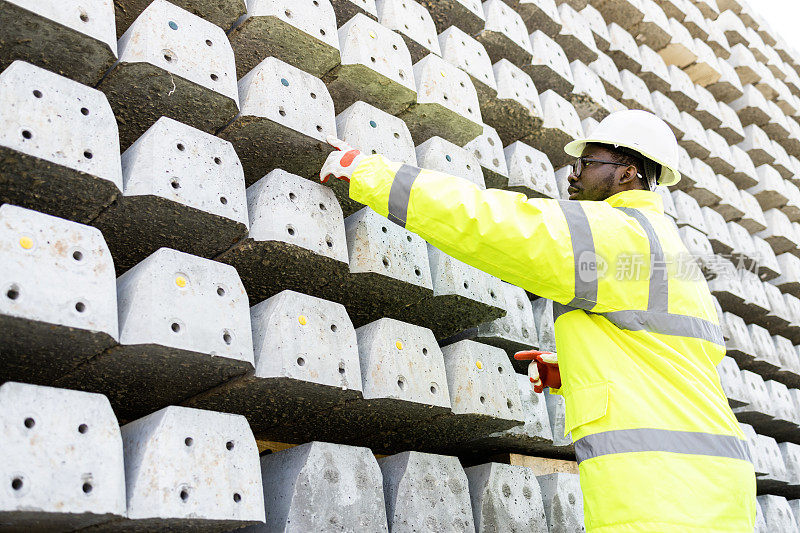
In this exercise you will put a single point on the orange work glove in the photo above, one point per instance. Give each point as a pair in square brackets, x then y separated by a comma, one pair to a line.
[341, 162]
[543, 369]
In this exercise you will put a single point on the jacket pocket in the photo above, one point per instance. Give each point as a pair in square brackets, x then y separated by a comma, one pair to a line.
[585, 404]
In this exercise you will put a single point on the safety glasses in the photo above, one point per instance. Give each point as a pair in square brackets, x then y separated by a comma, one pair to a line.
[577, 166]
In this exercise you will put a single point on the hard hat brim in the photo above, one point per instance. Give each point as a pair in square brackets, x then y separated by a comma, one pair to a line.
[669, 176]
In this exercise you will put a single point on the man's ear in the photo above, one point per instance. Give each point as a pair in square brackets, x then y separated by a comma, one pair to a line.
[628, 175]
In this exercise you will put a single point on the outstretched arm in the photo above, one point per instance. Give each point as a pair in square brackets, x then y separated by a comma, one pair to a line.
[538, 244]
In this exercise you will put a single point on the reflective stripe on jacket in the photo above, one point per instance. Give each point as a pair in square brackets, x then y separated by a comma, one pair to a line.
[637, 335]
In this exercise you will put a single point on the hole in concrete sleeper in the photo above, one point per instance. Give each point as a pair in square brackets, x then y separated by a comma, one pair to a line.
[223, 200]
[229, 445]
[175, 327]
[83, 428]
[301, 361]
[87, 488]
[88, 154]
[188, 441]
[221, 291]
[26, 134]
[334, 328]
[37, 93]
[12, 293]
[237, 497]
[30, 422]
[80, 307]
[77, 255]
[184, 494]
[16, 483]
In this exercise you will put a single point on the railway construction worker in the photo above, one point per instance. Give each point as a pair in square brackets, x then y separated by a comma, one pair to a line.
[658, 447]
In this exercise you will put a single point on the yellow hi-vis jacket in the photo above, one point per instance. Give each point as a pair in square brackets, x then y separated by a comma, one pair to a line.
[658, 447]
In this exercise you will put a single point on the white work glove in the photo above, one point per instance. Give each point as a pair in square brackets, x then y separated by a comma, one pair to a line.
[543, 369]
[341, 162]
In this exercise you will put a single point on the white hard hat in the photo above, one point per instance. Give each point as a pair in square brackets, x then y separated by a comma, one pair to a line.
[640, 131]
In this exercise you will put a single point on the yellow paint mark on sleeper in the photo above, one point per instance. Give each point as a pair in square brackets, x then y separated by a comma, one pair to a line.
[372, 34]
[26, 242]
[479, 365]
[180, 281]
[303, 320]
[443, 74]
[399, 345]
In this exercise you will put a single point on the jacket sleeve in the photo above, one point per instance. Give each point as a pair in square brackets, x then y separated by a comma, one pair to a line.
[542, 245]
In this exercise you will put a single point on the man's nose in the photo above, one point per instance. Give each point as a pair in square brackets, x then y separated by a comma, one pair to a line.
[572, 178]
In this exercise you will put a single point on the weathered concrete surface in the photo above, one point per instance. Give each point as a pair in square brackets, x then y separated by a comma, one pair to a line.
[372, 131]
[302, 35]
[589, 95]
[413, 23]
[190, 470]
[463, 297]
[516, 111]
[575, 37]
[488, 150]
[514, 332]
[533, 437]
[426, 492]
[561, 125]
[505, 498]
[389, 269]
[732, 383]
[184, 328]
[504, 34]
[447, 104]
[62, 459]
[76, 42]
[466, 15]
[306, 362]
[184, 189]
[549, 66]
[58, 142]
[223, 13]
[468, 54]
[320, 486]
[286, 115]
[563, 502]
[604, 67]
[58, 306]
[296, 229]
[484, 396]
[530, 171]
[443, 156]
[168, 68]
[347, 9]
[375, 67]
[777, 513]
[539, 15]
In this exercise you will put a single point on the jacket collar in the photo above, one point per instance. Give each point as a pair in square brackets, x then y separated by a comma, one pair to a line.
[639, 199]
